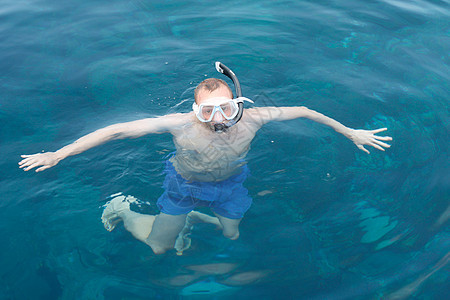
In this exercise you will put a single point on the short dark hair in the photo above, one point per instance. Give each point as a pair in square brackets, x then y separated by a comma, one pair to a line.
[210, 84]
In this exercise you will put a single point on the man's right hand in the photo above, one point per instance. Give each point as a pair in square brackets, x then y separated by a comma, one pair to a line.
[46, 160]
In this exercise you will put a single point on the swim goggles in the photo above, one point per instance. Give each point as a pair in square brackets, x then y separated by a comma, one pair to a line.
[229, 108]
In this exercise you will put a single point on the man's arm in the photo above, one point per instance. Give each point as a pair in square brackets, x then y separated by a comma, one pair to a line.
[132, 129]
[361, 137]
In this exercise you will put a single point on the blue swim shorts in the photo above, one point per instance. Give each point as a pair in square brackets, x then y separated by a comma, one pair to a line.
[228, 198]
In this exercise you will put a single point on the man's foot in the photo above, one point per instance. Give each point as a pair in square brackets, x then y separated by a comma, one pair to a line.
[113, 208]
[183, 241]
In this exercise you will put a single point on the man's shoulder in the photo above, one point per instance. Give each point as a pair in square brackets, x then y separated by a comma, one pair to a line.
[180, 118]
[160, 124]
[177, 120]
[256, 116]
[170, 118]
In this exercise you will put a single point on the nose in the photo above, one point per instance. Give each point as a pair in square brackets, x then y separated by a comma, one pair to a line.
[218, 118]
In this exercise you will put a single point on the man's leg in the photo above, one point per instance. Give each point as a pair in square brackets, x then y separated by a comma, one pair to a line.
[139, 225]
[198, 217]
[165, 231]
[230, 227]
[118, 209]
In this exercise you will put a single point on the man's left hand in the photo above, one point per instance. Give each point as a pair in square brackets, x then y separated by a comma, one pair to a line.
[363, 137]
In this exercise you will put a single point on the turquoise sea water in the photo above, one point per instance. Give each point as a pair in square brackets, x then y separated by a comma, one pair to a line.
[327, 222]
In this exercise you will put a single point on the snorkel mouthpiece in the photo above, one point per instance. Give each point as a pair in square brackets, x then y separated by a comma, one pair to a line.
[219, 127]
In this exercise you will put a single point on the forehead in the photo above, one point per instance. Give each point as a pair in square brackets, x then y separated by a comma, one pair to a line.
[214, 101]
[222, 92]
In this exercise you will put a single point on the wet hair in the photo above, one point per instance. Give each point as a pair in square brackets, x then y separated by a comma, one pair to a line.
[210, 84]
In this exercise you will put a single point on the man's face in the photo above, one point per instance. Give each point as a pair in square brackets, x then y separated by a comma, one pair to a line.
[207, 96]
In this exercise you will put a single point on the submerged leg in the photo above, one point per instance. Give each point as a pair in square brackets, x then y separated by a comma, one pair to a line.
[139, 225]
[165, 231]
[230, 227]
[118, 209]
[170, 231]
[198, 217]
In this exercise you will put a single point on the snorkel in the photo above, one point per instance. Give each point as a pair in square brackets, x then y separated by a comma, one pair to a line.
[221, 68]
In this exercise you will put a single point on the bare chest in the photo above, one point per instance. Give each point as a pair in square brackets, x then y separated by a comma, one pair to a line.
[209, 145]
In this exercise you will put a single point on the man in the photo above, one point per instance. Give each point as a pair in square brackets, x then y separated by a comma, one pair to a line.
[208, 168]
